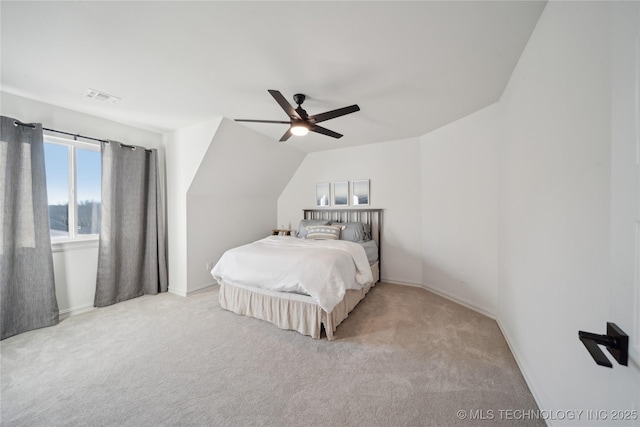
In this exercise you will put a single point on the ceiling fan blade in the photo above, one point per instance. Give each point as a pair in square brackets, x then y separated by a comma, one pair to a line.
[286, 135]
[262, 121]
[302, 113]
[325, 131]
[334, 113]
[291, 112]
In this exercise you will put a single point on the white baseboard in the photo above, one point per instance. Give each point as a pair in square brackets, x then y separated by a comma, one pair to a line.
[204, 288]
[73, 311]
[179, 292]
[468, 304]
[540, 401]
[201, 288]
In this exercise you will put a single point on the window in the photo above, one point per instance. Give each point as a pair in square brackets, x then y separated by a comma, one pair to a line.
[73, 187]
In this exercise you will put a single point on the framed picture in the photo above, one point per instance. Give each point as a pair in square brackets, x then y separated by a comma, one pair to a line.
[360, 192]
[341, 193]
[323, 194]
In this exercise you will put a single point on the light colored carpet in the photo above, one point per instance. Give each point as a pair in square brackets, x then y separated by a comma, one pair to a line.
[404, 357]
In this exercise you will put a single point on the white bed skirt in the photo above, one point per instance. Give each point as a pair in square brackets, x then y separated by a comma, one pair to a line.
[291, 311]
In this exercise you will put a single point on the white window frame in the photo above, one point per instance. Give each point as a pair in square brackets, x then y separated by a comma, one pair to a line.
[73, 240]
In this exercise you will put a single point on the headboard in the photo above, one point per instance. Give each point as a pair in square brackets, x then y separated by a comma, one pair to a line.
[372, 217]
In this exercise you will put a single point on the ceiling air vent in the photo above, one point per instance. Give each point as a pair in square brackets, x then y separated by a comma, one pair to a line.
[101, 96]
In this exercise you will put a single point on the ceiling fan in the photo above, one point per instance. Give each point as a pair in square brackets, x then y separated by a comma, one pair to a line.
[301, 123]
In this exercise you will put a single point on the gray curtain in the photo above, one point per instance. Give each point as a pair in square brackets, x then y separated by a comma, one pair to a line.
[132, 255]
[27, 286]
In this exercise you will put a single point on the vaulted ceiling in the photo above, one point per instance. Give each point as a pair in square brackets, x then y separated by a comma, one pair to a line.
[411, 66]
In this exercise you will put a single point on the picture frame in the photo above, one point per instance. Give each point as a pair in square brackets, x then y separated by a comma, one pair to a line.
[323, 194]
[360, 192]
[341, 193]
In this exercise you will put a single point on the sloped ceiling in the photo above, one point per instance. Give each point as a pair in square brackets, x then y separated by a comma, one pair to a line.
[411, 66]
[234, 160]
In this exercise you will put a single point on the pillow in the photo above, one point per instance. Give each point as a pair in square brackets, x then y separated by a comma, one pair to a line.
[354, 231]
[304, 223]
[323, 232]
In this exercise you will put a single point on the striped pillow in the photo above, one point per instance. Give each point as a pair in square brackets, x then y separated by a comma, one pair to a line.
[323, 232]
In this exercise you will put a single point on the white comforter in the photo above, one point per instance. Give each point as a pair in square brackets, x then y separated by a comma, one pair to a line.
[323, 269]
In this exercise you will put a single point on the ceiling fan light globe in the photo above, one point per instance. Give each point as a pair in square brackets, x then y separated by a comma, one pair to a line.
[299, 130]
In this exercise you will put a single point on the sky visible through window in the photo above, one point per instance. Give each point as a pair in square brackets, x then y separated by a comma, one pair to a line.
[57, 167]
[87, 172]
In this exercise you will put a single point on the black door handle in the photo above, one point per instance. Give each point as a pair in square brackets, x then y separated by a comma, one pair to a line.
[616, 341]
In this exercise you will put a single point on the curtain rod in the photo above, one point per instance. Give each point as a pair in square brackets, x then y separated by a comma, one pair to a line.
[74, 135]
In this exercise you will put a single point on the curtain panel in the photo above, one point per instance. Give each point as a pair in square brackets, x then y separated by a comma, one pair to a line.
[27, 285]
[132, 253]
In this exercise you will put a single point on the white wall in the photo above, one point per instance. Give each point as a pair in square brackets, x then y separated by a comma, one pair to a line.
[216, 224]
[74, 270]
[76, 265]
[555, 195]
[460, 210]
[185, 149]
[393, 169]
[523, 207]
[54, 117]
[625, 196]
[232, 199]
[223, 183]
[440, 201]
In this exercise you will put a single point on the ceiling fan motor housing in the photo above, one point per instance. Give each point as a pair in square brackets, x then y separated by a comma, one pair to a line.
[299, 98]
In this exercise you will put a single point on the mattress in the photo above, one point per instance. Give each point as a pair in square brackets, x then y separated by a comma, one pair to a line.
[371, 250]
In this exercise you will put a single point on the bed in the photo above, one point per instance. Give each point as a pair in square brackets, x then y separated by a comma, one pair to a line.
[300, 283]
